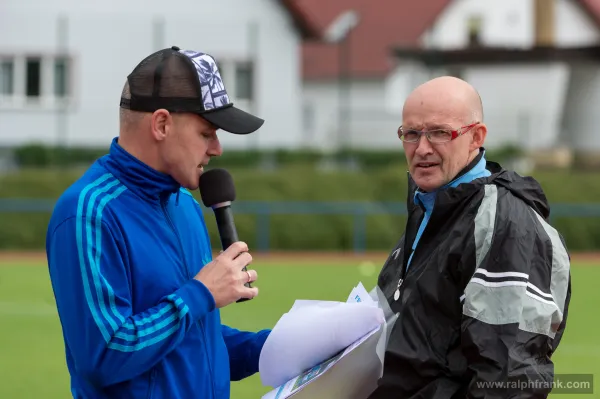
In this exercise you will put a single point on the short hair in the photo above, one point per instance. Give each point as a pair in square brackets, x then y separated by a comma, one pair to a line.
[125, 93]
[128, 118]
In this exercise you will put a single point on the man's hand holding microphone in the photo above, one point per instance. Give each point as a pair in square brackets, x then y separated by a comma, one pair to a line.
[226, 277]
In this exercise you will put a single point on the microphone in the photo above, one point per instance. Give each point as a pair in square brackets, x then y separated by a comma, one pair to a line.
[218, 192]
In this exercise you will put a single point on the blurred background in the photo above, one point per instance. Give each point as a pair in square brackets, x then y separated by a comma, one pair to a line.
[322, 186]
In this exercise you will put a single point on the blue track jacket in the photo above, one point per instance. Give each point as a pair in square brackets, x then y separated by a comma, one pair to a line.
[123, 245]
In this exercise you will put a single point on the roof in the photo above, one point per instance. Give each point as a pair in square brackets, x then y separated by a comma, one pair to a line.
[303, 23]
[593, 8]
[384, 26]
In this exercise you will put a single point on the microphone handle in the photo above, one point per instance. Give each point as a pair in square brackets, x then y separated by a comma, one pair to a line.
[226, 226]
[227, 232]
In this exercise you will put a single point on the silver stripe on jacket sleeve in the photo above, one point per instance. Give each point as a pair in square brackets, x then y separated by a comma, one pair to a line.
[543, 312]
[485, 221]
[486, 299]
[509, 301]
[493, 302]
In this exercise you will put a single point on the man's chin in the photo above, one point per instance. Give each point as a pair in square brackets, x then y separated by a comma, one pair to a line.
[193, 183]
[427, 183]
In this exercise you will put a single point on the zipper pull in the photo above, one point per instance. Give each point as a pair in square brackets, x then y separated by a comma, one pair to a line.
[397, 293]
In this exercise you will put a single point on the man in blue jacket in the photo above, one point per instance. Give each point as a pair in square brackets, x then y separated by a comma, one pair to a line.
[137, 290]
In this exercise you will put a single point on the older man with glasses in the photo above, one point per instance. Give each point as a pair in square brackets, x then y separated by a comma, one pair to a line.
[480, 279]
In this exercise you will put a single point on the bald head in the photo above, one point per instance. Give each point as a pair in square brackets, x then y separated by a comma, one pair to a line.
[446, 97]
[450, 110]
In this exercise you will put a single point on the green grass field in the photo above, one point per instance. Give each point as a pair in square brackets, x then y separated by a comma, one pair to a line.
[32, 359]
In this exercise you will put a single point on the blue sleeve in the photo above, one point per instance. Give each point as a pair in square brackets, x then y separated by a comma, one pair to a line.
[109, 343]
[244, 351]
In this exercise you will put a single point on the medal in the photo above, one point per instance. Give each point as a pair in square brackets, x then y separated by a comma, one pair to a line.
[397, 293]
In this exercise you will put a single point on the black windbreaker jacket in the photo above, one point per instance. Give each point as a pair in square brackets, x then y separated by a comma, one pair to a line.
[484, 303]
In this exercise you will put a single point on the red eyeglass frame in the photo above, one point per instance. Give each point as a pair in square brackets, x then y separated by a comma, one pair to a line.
[455, 133]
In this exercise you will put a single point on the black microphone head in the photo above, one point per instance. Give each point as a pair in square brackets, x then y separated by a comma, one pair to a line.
[216, 186]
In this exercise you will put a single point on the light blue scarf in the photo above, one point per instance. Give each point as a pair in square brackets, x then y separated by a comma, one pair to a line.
[428, 199]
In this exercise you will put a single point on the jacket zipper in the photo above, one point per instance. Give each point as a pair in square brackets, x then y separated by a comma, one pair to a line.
[404, 273]
[164, 208]
[188, 274]
[152, 382]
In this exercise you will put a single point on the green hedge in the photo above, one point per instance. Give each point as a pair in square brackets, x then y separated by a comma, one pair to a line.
[297, 183]
[38, 155]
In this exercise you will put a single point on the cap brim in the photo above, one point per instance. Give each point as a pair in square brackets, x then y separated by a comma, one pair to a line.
[233, 120]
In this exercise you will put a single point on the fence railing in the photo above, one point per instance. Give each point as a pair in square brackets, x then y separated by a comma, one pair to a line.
[263, 210]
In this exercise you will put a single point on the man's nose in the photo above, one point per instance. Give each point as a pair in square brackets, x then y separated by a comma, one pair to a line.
[423, 146]
[215, 149]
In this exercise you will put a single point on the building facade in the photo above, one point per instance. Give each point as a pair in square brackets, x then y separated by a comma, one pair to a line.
[63, 63]
[533, 98]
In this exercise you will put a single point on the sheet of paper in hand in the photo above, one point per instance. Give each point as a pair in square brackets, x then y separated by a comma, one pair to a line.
[317, 361]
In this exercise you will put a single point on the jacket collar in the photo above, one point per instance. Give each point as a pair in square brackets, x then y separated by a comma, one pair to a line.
[473, 170]
[146, 182]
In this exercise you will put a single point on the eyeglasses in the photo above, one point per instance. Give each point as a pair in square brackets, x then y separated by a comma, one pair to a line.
[434, 136]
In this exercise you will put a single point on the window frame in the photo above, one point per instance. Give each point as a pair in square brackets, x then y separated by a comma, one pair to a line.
[47, 99]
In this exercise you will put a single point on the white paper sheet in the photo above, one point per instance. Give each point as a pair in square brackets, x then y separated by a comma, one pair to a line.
[360, 295]
[350, 373]
[312, 332]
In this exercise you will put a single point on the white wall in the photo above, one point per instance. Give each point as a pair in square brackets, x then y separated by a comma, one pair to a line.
[107, 39]
[574, 27]
[402, 81]
[580, 127]
[371, 124]
[510, 23]
[523, 104]
[504, 23]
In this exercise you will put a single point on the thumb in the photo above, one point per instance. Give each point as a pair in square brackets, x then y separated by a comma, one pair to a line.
[235, 249]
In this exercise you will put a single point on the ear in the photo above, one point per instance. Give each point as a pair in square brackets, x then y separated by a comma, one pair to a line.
[161, 124]
[478, 136]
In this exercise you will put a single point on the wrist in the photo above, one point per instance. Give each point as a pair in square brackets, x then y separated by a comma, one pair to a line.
[199, 299]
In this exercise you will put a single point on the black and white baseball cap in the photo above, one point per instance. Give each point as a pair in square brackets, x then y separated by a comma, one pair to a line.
[186, 81]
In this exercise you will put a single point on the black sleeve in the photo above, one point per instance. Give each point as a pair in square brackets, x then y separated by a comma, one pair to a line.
[515, 306]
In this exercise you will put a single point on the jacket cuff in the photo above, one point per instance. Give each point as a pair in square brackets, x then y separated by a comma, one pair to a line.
[259, 341]
[198, 298]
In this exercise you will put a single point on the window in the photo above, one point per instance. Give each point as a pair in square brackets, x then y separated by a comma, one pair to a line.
[238, 77]
[244, 81]
[33, 76]
[7, 77]
[36, 80]
[474, 25]
[308, 117]
[60, 77]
